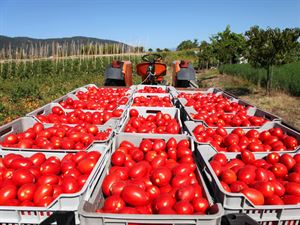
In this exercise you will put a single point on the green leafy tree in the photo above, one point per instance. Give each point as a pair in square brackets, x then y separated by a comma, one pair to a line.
[206, 55]
[158, 50]
[188, 44]
[150, 50]
[270, 47]
[166, 50]
[228, 46]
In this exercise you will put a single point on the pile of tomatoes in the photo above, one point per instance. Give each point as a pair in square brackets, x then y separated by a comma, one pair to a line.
[58, 136]
[148, 89]
[238, 140]
[98, 99]
[78, 116]
[152, 101]
[38, 180]
[158, 123]
[95, 93]
[92, 104]
[273, 180]
[216, 110]
[157, 177]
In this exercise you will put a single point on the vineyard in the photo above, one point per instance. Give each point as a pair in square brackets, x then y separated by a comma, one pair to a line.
[26, 85]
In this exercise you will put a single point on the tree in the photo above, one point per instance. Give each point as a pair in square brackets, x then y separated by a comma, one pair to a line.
[206, 55]
[166, 50]
[228, 46]
[188, 44]
[270, 47]
[150, 50]
[158, 50]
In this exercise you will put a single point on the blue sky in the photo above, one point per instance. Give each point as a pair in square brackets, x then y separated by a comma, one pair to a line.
[151, 23]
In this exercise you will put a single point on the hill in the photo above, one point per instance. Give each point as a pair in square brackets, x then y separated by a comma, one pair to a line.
[25, 47]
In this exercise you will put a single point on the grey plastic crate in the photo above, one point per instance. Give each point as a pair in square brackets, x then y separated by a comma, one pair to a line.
[85, 89]
[87, 208]
[208, 91]
[145, 111]
[237, 202]
[65, 202]
[190, 126]
[188, 111]
[63, 98]
[24, 123]
[160, 95]
[47, 109]
[141, 86]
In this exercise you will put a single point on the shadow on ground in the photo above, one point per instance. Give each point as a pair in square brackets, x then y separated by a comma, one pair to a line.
[238, 91]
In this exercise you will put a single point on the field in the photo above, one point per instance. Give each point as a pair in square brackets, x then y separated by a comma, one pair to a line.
[27, 85]
[279, 103]
[285, 78]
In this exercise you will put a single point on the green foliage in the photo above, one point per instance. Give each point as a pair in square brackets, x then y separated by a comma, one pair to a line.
[228, 46]
[270, 47]
[188, 44]
[286, 77]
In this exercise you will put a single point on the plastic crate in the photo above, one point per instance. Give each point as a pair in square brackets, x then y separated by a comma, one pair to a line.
[237, 202]
[190, 126]
[47, 109]
[87, 208]
[24, 123]
[208, 91]
[141, 86]
[85, 89]
[188, 111]
[65, 202]
[160, 95]
[145, 111]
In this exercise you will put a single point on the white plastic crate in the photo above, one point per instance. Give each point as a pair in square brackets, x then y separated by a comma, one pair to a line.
[65, 202]
[239, 203]
[87, 208]
[24, 123]
[145, 111]
[189, 111]
[190, 126]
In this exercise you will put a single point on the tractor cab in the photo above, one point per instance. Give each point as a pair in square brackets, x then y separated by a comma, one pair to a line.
[118, 73]
[151, 69]
[183, 73]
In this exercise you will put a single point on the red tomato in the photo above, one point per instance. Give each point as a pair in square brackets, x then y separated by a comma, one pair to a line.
[85, 166]
[26, 192]
[164, 200]
[200, 205]
[70, 185]
[135, 196]
[113, 204]
[247, 175]
[133, 113]
[221, 158]
[247, 157]
[266, 188]
[183, 207]
[228, 176]
[41, 192]
[186, 193]
[22, 176]
[49, 168]
[291, 199]
[139, 170]
[238, 186]
[287, 160]
[279, 170]
[7, 192]
[108, 181]
[161, 176]
[255, 196]
[292, 188]
[273, 200]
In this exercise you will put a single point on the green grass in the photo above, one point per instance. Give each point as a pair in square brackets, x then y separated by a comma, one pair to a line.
[285, 77]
